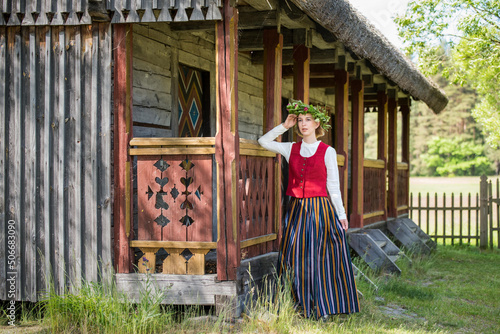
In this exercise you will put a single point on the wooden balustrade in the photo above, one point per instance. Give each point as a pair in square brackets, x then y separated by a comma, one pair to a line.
[175, 198]
[374, 194]
[403, 179]
[257, 189]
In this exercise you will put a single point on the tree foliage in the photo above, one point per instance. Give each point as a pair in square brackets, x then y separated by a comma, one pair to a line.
[469, 31]
[456, 157]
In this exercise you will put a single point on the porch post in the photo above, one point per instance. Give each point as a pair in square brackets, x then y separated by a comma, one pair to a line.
[405, 143]
[227, 144]
[122, 97]
[358, 141]
[392, 202]
[273, 56]
[342, 126]
[382, 140]
[301, 61]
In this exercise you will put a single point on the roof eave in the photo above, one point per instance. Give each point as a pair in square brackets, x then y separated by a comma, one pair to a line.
[354, 31]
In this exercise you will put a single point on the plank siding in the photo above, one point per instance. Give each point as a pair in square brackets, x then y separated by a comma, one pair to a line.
[13, 143]
[116, 8]
[54, 146]
[3, 127]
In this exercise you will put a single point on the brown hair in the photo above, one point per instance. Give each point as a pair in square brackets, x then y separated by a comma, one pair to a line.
[320, 132]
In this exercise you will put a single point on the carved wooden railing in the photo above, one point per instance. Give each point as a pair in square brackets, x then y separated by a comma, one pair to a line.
[258, 187]
[374, 190]
[175, 194]
[403, 187]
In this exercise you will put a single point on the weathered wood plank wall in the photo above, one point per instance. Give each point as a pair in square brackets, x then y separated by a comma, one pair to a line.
[76, 12]
[55, 144]
[157, 53]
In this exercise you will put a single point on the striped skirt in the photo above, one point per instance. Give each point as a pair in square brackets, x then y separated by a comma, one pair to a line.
[315, 252]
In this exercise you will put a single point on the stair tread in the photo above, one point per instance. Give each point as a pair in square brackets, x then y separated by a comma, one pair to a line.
[393, 258]
[380, 243]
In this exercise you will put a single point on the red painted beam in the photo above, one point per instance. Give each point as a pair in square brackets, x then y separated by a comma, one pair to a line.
[342, 126]
[301, 61]
[382, 140]
[122, 97]
[392, 196]
[357, 152]
[273, 60]
[227, 144]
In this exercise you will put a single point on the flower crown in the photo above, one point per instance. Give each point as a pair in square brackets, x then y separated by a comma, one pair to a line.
[318, 113]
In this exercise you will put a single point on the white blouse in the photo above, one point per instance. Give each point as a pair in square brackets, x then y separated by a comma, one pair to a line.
[308, 150]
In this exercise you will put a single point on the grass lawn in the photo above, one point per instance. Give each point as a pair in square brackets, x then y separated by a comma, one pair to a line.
[451, 222]
[455, 290]
[448, 185]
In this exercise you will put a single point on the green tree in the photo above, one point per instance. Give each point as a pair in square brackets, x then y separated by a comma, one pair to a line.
[456, 157]
[469, 30]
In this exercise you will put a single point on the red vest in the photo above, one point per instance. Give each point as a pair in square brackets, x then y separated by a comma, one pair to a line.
[307, 176]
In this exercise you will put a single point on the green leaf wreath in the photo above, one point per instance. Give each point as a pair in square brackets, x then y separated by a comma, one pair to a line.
[318, 113]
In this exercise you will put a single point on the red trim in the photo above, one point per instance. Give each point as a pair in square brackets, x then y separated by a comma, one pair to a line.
[342, 126]
[392, 196]
[122, 97]
[227, 143]
[358, 140]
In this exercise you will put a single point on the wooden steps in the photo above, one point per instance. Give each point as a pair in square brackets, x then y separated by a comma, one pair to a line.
[411, 236]
[378, 251]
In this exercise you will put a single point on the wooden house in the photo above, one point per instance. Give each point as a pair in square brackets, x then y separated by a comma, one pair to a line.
[128, 136]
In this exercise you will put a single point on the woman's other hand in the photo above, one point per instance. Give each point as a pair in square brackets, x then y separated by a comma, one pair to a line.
[290, 121]
[345, 224]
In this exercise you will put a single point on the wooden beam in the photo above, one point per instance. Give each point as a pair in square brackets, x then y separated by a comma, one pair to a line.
[382, 138]
[273, 52]
[322, 82]
[358, 140]
[227, 143]
[122, 97]
[263, 5]
[315, 71]
[301, 61]
[317, 56]
[342, 126]
[272, 78]
[405, 140]
[257, 19]
[392, 197]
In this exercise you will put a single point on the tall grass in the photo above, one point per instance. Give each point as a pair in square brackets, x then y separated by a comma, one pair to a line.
[100, 308]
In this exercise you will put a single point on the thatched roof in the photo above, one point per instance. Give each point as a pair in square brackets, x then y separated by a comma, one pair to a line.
[355, 32]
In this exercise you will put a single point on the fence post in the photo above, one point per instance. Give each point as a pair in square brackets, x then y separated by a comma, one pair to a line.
[483, 212]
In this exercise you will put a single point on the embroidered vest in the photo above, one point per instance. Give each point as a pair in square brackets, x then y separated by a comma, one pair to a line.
[307, 176]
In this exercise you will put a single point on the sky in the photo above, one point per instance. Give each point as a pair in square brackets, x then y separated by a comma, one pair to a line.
[381, 13]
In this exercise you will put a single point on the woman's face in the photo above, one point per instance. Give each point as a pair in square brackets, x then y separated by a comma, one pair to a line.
[307, 125]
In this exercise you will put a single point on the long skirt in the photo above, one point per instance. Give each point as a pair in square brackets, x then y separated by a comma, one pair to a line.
[315, 253]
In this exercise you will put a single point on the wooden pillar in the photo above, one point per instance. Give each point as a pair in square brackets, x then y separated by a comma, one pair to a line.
[405, 138]
[301, 62]
[382, 140]
[273, 60]
[405, 144]
[357, 152]
[122, 97]
[342, 126]
[392, 198]
[227, 144]
[273, 56]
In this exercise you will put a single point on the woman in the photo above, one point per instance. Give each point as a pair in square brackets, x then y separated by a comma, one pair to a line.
[313, 247]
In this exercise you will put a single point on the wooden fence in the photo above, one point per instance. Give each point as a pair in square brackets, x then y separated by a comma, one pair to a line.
[473, 218]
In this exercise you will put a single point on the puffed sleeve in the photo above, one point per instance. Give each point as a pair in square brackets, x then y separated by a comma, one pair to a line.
[333, 182]
[267, 142]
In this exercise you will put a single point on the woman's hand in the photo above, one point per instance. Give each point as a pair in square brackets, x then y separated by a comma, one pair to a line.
[345, 224]
[290, 121]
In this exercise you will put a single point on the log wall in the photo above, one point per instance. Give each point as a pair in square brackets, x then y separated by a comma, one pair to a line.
[55, 157]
